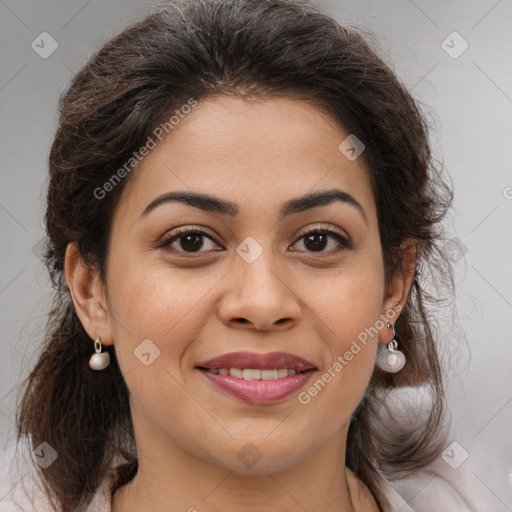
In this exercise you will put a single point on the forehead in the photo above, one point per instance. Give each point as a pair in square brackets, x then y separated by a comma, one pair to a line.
[257, 152]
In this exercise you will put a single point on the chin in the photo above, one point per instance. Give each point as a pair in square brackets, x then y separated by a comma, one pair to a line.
[260, 456]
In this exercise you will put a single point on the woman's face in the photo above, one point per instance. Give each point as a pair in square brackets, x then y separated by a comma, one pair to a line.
[247, 279]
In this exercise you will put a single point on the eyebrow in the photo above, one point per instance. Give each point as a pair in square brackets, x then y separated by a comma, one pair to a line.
[209, 203]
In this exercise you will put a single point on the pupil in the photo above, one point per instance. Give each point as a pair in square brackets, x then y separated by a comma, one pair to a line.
[318, 241]
[192, 242]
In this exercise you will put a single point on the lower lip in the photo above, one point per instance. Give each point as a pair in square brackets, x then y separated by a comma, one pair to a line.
[258, 391]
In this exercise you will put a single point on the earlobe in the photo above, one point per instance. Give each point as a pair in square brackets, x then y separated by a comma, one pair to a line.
[88, 295]
[400, 286]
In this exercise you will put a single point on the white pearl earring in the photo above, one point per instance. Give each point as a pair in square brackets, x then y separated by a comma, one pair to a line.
[391, 359]
[99, 360]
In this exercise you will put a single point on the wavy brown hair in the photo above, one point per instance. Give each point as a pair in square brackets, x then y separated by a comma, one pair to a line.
[249, 49]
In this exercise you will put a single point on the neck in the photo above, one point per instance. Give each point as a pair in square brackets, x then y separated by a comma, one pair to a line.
[171, 476]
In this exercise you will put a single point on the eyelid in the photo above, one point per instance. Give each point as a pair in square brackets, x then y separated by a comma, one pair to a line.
[174, 234]
[322, 227]
[183, 230]
[344, 241]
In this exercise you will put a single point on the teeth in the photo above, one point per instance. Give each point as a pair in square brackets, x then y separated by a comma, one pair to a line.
[268, 374]
[255, 374]
[236, 372]
[249, 374]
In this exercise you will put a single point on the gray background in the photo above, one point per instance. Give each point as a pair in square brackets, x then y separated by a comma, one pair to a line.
[468, 100]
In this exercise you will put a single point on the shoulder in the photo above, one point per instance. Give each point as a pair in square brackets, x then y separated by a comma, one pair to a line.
[436, 489]
[21, 488]
[425, 491]
[385, 495]
[390, 500]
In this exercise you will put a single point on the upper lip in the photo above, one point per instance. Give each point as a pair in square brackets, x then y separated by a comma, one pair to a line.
[268, 361]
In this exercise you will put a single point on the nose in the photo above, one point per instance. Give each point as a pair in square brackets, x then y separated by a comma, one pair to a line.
[259, 297]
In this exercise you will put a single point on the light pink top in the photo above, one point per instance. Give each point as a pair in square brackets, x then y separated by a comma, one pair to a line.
[101, 501]
[441, 488]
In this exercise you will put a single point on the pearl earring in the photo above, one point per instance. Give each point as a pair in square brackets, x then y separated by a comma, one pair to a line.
[99, 360]
[391, 359]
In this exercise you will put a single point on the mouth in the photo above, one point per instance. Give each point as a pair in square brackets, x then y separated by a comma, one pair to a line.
[255, 373]
[257, 378]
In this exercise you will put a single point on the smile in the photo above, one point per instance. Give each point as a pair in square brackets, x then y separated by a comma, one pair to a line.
[255, 374]
[257, 378]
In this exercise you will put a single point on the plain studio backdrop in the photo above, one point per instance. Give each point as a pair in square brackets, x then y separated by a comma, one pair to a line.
[455, 57]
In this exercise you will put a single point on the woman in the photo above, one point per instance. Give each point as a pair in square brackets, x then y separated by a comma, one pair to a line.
[242, 216]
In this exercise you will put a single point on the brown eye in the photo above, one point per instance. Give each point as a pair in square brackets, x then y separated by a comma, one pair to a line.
[317, 240]
[187, 241]
[191, 242]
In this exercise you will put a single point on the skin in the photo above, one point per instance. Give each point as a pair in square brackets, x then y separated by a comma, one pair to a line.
[195, 306]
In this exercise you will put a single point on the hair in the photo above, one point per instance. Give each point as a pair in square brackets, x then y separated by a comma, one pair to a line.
[251, 49]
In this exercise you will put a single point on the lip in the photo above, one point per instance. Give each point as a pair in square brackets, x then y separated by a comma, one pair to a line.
[258, 391]
[268, 361]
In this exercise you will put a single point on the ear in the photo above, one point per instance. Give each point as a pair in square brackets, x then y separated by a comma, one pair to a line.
[398, 289]
[89, 296]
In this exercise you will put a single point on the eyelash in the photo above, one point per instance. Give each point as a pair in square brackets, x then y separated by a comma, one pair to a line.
[180, 232]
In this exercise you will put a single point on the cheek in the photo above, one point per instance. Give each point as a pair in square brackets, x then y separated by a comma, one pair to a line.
[347, 301]
[338, 387]
[157, 313]
[155, 302]
[349, 306]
